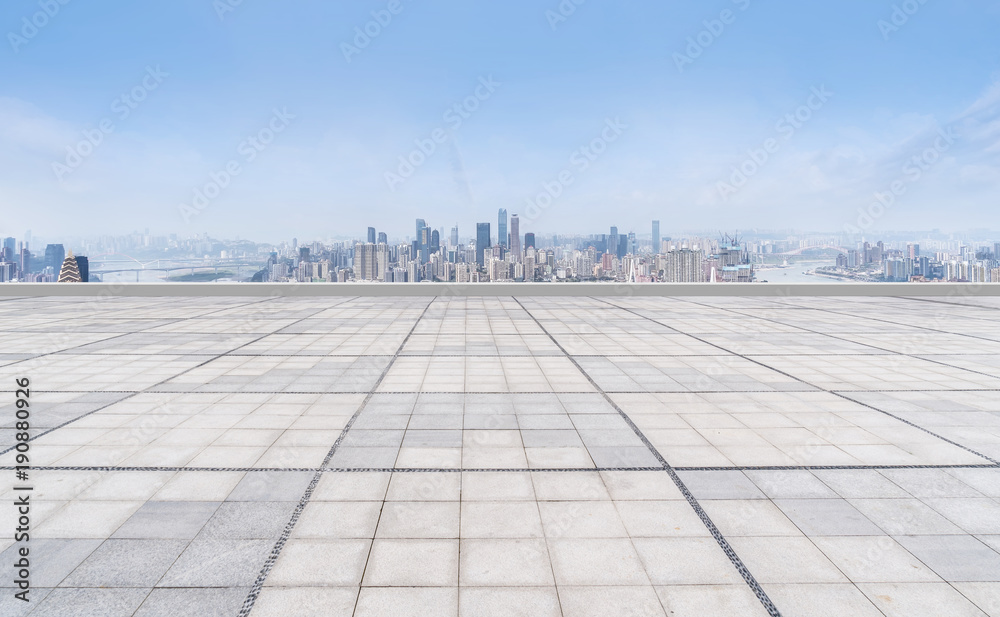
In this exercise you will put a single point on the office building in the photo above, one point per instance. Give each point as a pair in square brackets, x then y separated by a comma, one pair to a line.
[55, 254]
[656, 236]
[83, 265]
[9, 249]
[515, 239]
[482, 242]
[502, 239]
[371, 235]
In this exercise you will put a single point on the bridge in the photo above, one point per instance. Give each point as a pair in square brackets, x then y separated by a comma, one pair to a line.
[238, 265]
[814, 248]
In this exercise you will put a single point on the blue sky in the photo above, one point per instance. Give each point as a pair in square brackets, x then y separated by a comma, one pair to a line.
[337, 120]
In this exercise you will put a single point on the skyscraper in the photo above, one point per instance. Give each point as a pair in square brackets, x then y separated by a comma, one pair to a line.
[371, 235]
[55, 254]
[365, 262]
[613, 241]
[482, 242]
[515, 238]
[9, 249]
[529, 241]
[83, 265]
[454, 235]
[502, 227]
[656, 237]
[420, 225]
[69, 271]
[424, 244]
[382, 238]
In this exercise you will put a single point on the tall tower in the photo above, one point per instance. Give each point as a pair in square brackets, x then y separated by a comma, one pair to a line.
[613, 242]
[502, 228]
[55, 254]
[371, 235]
[656, 237]
[482, 242]
[515, 238]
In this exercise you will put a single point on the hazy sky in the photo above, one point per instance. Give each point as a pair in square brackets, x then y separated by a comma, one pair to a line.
[627, 111]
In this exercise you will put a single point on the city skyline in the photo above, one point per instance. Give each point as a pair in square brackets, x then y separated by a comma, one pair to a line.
[435, 255]
[647, 111]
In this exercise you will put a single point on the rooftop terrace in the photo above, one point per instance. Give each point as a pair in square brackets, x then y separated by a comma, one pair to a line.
[509, 455]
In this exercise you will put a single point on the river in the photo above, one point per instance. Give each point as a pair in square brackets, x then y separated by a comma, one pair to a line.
[797, 273]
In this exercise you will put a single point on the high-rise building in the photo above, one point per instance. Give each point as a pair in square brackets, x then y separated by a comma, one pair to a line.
[25, 264]
[482, 242]
[613, 242]
[435, 243]
[682, 266]
[454, 235]
[371, 235]
[424, 244]
[69, 272]
[55, 254]
[365, 262]
[9, 249]
[529, 241]
[420, 225]
[502, 239]
[656, 237]
[83, 265]
[382, 238]
[996, 251]
[515, 238]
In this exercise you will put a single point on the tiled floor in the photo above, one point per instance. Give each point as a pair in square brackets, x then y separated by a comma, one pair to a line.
[506, 456]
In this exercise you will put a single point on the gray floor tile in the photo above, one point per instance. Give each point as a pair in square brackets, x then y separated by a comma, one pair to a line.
[217, 602]
[955, 558]
[126, 563]
[827, 517]
[168, 519]
[720, 485]
[91, 602]
[51, 560]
